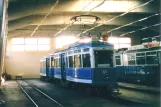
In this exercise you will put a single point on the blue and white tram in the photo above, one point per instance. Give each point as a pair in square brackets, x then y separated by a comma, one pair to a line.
[139, 64]
[91, 63]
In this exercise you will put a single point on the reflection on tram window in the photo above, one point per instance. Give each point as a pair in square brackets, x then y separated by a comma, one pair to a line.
[71, 61]
[131, 59]
[140, 58]
[86, 60]
[77, 59]
[151, 58]
[104, 58]
[52, 62]
[118, 61]
[57, 65]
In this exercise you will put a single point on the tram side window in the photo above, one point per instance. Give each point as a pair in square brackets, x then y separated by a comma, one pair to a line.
[151, 58]
[71, 61]
[77, 59]
[131, 59]
[140, 58]
[57, 64]
[86, 50]
[118, 61]
[52, 62]
[86, 60]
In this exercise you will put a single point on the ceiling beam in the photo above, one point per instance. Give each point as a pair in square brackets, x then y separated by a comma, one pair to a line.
[42, 7]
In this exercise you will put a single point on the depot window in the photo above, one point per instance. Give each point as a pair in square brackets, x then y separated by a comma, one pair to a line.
[120, 42]
[30, 44]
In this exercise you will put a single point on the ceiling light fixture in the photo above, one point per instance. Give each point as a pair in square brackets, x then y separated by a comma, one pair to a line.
[79, 12]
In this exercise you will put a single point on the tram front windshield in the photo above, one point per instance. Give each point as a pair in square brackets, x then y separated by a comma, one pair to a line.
[103, 58]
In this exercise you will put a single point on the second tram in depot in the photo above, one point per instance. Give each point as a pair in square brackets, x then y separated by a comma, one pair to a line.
[139, 64]
[90, 64]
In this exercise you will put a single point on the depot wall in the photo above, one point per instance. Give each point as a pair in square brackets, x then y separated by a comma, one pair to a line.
[26, 64]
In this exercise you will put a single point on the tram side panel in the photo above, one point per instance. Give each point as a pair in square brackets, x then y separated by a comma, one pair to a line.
[79, 69]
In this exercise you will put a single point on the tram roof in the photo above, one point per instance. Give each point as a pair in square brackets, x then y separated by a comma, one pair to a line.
[140, 50]
[85, 45]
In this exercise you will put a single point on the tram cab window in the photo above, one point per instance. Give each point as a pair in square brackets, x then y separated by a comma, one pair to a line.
[71, 61]
[118, 61]
[52, 62]
[77, 59]
[140, 58]
[104, 58]
[151, 58]
[57, 63]
[86, 60]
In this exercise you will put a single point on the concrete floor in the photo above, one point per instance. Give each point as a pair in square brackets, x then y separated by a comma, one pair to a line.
[150, 89]
[14, 96]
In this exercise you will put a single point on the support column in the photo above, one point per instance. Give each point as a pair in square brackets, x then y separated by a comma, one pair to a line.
[3, 32]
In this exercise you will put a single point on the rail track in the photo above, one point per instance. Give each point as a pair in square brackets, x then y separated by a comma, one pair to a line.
[38, 97]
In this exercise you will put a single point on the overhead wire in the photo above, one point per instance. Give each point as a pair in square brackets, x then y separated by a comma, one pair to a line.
[133, 8]
[140, 29]
[142, 19]
[151, 37]
[55, 4]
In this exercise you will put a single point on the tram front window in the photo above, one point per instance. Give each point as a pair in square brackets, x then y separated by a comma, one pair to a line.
[103, 58]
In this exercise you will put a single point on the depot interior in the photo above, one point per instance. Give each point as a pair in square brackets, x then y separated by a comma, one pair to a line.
[36, 28]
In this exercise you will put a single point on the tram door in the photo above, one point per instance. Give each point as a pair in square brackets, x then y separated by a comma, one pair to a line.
[159, 67]
[47, 67]
[63, 72]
